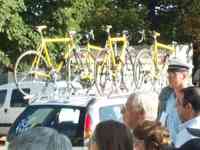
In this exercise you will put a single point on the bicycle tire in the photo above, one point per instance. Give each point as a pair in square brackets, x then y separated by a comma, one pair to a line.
[88, 65]
[143, 65]
[127, 72]
[23, 71]
[103, 74]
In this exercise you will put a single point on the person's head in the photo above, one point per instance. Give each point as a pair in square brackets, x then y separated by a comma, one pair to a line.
[188, 103]
[151, 136]
[177, 72]
[111, 135]
[140, 106]
[40, 138]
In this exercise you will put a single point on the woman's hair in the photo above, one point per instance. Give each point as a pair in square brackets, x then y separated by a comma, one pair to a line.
[155, 136]
[113, 135]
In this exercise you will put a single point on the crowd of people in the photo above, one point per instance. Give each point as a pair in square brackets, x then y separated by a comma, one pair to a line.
[168, 121]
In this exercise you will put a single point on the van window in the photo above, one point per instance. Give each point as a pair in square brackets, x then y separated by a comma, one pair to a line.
[111, 113]
[2, 97]
[17, 98]
[65, 119]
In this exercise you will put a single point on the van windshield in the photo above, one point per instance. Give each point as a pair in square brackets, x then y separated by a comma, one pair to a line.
[66, 120]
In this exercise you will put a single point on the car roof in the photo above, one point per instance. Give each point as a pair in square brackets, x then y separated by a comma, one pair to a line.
[83, 101]
[25, 84]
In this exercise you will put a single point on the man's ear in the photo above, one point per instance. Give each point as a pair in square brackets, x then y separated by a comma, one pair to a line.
[188, 106]
[184, 74]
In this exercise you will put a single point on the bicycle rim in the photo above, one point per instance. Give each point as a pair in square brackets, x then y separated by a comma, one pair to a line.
[103, 76]
[127, 73]
[27, 71]
[88, 70]
[143, 69]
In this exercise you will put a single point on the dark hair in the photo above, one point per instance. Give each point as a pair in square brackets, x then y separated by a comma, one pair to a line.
[113, 135]
[154, 135]
[192, 95]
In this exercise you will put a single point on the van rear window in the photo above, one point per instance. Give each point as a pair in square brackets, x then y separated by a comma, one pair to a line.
[111, 113]
[66, 120]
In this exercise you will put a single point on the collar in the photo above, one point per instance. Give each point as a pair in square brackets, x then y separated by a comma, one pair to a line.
[184, 136]
[193, 123]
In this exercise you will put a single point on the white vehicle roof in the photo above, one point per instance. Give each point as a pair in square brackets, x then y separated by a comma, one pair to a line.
[83, 101]
[25, 84]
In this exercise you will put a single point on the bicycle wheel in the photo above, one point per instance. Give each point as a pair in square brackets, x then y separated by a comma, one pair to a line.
[88, 72]
[103, 74]
[143, 69]
[162, 80]
[74, 65]
[26, 70]
[127, 73]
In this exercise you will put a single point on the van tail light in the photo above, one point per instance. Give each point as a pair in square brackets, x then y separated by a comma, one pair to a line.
[87, 126]
[2, 140]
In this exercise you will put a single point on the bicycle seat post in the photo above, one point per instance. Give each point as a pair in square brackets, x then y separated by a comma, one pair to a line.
[175, 44]
[72, 33]
[154, 36]
[91, 33]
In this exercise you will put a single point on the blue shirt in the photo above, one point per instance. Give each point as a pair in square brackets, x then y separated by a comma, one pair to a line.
[184, 136]
[172, 120]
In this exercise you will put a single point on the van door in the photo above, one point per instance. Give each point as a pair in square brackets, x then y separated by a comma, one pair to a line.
[16, 106]
[3, 94]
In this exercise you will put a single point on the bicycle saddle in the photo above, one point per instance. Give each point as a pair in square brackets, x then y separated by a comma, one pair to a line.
[156, 33]
[108, 27]
[125, 32]
[40, 28]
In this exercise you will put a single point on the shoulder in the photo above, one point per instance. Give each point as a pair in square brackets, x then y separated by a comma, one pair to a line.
[192, 144]
[165, 92]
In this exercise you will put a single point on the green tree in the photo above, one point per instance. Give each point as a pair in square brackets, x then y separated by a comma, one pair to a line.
[18, 17]
[122, 15]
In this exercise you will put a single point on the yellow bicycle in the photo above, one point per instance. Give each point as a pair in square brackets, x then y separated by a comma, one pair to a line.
[39, 65]
[88, 57]
[114, 65]
[150, 66]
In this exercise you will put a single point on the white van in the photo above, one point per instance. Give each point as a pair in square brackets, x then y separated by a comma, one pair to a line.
[76, 116]
[12, 102]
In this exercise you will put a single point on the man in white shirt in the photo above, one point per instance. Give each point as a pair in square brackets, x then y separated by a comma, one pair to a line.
[188, 107]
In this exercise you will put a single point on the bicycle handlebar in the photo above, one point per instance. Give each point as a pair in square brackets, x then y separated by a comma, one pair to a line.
[142, 32]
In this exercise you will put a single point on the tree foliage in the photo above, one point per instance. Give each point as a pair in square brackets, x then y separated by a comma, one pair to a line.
[176, 20]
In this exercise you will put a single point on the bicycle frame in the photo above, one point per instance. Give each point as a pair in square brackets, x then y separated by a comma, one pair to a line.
[43, 51]
[116, 64]
[114, 40]
[157, 45]
[111, 50]
[91, 48]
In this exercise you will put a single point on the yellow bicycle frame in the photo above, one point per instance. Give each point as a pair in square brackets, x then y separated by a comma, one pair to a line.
[43, 51]
[116, 67]
[156, 46]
